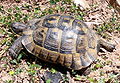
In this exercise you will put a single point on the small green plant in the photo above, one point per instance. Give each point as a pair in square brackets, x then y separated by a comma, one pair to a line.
[109, 26]
[32, 72]
[15, 72]
[92, 80]
[18, 70]
[98, 66]
[53, 2]
[65, 78]
[33, 68]
[48, 81]
[77, 77]
[9, 81]
[101, 80]
[53, 70]
[1, 7]
[20, 56]
[25, 12]
[113, 77]
[14, 61]
[12, 72]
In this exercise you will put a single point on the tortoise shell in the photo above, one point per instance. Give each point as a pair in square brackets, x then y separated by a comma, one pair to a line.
[62, 39]
[59, 39]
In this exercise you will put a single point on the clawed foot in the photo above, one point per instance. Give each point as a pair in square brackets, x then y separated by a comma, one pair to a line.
[12, 53]
[54, 77]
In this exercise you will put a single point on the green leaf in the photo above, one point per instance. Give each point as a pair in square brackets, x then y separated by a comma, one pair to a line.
[98, 65]
[9, 10]
[50, 11]
[2, 19]
[3, 41]
[8, 43]
[32, 66]
[91, 80]
[62, 9]
[19, 56]
[68, 1]
[14, 61]
[9, 81]
[77, 77]
[11, 72]
[1, 7]
[57, 0]
[36, 11]
[79, 17]
[48, 81]
[53, 70]
[52, 2]
[17, 71]
[32, 72]
[17, 8]
[101, 80]
[25, 18]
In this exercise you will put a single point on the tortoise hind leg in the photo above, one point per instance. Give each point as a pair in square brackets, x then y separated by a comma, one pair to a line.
[17, 46]
[108, 46]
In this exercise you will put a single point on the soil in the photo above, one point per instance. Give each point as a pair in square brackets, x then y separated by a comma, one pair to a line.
[105, 70]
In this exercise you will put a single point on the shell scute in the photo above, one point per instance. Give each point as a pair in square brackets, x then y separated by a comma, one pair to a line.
[53, 39]
[53, 57]
[51, 21]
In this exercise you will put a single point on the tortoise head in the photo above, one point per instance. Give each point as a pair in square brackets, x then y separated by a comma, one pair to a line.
[107, 45]
[18, 27]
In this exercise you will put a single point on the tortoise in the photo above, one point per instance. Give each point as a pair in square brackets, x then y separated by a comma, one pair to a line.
[60, 39]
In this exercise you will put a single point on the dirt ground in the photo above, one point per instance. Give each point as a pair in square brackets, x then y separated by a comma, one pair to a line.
[30, 70]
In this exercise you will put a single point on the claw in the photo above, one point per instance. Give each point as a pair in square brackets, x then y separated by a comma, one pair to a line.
[12, 53]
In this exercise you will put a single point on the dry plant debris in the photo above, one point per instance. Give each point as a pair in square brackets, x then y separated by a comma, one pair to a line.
[29, 69]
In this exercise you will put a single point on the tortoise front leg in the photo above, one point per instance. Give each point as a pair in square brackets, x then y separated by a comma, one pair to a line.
[17, 46]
